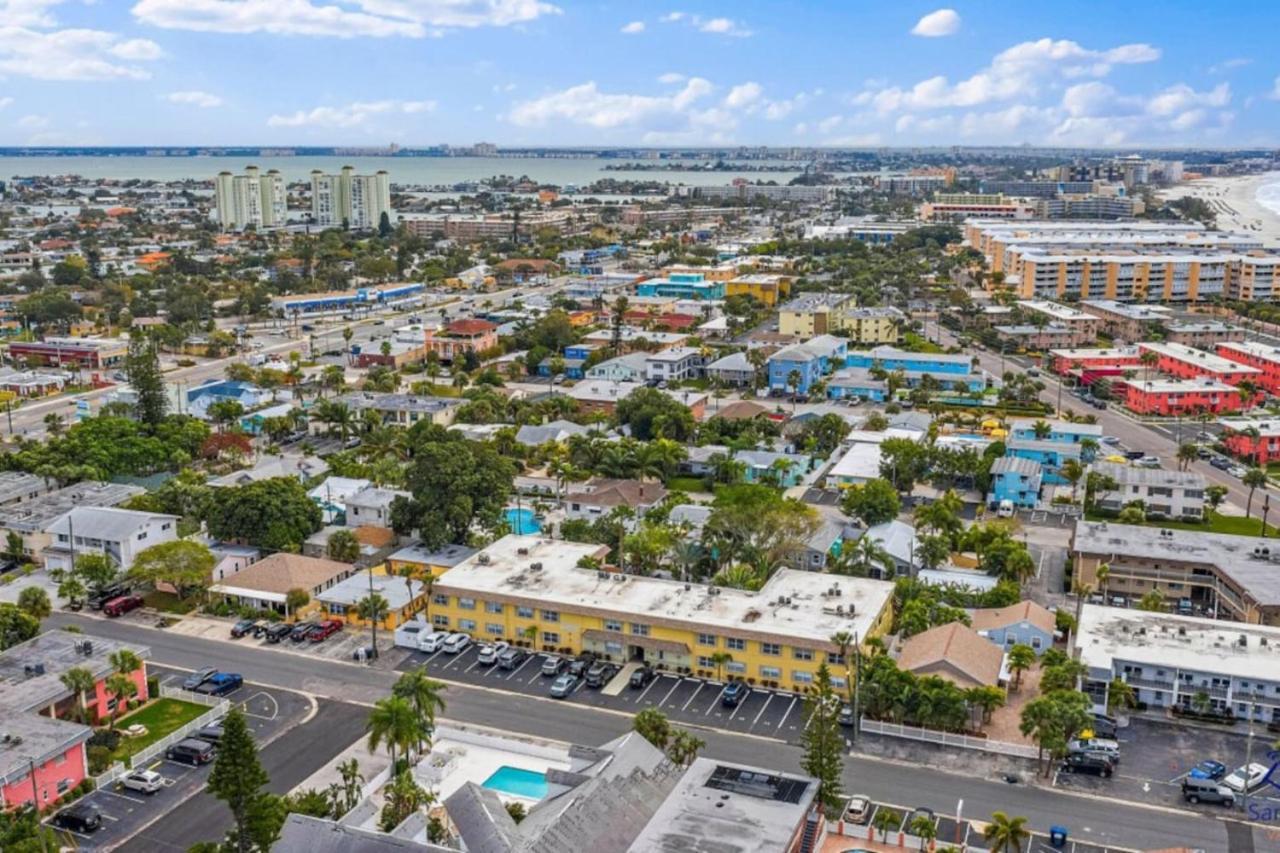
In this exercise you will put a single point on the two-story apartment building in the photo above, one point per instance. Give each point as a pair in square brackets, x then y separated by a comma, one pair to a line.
[118, 534]
[1015, 479]
[1254, 439]
[404, 410]
[1262, 357]
[799, 366]
[1164, 494]
[674, 365]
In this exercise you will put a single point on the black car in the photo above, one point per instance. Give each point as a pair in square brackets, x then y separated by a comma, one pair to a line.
[193, 751]
[1222, 463]
[1089, 762]
[99, 599]
[642, 676]
[579, 665]
[244, 627]
[846, 715]
[600, 674]
[301, 631]
[276, 632]
[80, 817]
[733, 694]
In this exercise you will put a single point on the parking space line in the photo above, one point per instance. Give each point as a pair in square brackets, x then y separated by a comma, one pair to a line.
[715, 703]
[787, 713]
[744, 701]
[121, 796]
[645, 692]
[475, 663]
[664, 699]
[536, 675]
[455, 660]
[685, 706]
[762, 709]
[106, 816]
[522, 665]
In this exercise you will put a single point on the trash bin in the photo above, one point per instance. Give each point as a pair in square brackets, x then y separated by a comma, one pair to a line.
[1058, 836]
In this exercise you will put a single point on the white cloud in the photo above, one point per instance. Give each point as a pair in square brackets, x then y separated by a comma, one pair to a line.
[1179, 98]
[4, 102]
[633, 28]
[672, 77]
[672, 17]
[73, 54]
[374, 18]
[943, 22]
[194, 98]
[28, 13]
[1229, 64]
[586, 105]
[351, 115]
[32, 122]
[743, 95]
[714, 26]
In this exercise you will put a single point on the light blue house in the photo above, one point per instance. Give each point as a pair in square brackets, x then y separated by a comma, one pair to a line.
[682, 285]
[1015, 479]
[892, 358]
[200, 398]
[1059, 431]
[1051, 455]
[1025, 623]
[857, 382]
[758, 465]
[813, 360]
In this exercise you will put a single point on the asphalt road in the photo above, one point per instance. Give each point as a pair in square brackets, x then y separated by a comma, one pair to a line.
[1100, 819]
[289, 760]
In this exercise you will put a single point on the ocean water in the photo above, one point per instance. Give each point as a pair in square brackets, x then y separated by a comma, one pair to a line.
[1268, 195]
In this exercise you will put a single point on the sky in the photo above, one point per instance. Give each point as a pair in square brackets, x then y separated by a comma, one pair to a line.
[558, 72]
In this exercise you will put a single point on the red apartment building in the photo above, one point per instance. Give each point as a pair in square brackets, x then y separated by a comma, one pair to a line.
[1065, 360]
[1260, 356]
[1180, 397]
[89, 353]
[461, 337]
[1254, 439]
[1183, 362]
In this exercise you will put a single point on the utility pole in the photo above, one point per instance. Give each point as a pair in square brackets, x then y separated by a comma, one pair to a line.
[1248, 758]
[373, 620]
[857, 686]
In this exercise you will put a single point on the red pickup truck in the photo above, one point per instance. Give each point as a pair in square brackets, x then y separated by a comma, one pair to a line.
[122, 605]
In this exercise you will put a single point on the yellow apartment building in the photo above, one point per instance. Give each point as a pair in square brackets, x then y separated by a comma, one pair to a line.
[767, 288]
[872, 326]
[815, 314]
[419, 562]
[531, 591]
[1127, 277]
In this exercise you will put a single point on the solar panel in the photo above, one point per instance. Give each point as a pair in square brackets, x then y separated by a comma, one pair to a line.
[765, 786]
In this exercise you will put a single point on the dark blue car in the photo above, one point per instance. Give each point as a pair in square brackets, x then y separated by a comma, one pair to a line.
[221, 683]
[733, 694]
[1208, 769]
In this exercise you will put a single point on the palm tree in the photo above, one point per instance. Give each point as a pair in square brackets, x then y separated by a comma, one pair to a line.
[863, 558]
[886, 820]
[79, 681]
[1187, 453]
[1021, 658]
[684, 747]
[125, 661]
[793, 382]
[923, 827]
[1253, 478]
[123, 688]
[1072, 471]
[1042, 430]
[394, 722]
[1006, 834]
[719, 660]
[373, 608]
[1120, 695]
[426, 695]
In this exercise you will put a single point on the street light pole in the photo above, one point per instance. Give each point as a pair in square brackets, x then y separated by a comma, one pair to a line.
[857, 686]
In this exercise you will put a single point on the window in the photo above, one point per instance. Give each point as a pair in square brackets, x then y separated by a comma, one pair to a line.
[550, 637]
[735, 644]
[802, 654]
[706, 663]
[707, 639]
[440, 621]
[770, 672]
[1036, 642]
[613, 625]
[466, 603]
[494, 628]
[835, 659]
[63, 786]
[440, 598]
[801, 677]
[639, 630]
[838, 683]
[524, 612]
[467, 625]
[550, 616]
[771, 649]
[735, 667]
[493, 607]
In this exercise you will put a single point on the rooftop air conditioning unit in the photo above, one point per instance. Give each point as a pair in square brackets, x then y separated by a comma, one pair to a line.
[522, 552]
[482, 559]
[537, 567]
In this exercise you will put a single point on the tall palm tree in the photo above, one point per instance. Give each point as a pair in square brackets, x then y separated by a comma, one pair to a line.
[1007, 834]
[719, 660]
[123, 688]
[426, 696]
[79, 681]
[864, 558]
[1253, 478]
[393, 722]
[1187, 453]
[125, 661]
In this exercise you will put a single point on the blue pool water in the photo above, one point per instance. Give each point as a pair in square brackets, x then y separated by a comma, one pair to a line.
[523, 522]
[517, 782]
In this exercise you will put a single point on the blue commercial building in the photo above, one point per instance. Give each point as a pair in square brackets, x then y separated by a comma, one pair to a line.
[858, 382]
[891, 359]
[364, 297]
[682, 285]
[1065, 432]
[1016, 479]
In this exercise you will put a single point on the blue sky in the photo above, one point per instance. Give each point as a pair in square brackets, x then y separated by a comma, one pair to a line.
[559, 72]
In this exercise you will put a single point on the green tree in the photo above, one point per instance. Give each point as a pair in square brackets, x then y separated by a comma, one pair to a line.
[684, 747]
[80, 681]
[652, 414]
[393, 722]
[373, 608]
[123, 688]
[426, 695]
[343, 546]
[923, 827]
[1152, 601]
[1052, 719]
[14, 548]
[185, 565]
[403, 797]
[34, 601]
[142, 365]
[822, 743]
[1021, 658]
[296, 599]
[16, 626]
[1253, 478]
[276, 514]
[653, 725]
[1120, 696]
[1007, 834]
[903, 462]
[872, 503]
[237, 779]
[886, 821]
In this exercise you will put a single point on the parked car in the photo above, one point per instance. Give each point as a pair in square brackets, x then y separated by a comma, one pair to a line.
[122, 605]
[1207, 791]
[1103, 726]
[325, 629]
[276, 631]
[489, 652]
[455, 644]
[1244, 779]
[1096, 763]
[81, 817]
[554, 665]
[1111, 440]
[195, 679]
[846, 715]
[1222, 463]
[579, 665]
[1096, 744]
[212, 733]
[733, 694]
[245, 627]
[642, 677]
[857, 810]
[143, 781]
[1238, 471]
[563, 685]
[191, 751]
[99, 599]
[432, 642]
[301, 630]
[1208, 769]
[918, 813]
[221, 683]
[1203, 453]
[600, 674]
[1148, 462]
[511, 657]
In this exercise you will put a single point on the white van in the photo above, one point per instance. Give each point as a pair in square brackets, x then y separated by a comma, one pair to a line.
[410, 634]
[1006, 509]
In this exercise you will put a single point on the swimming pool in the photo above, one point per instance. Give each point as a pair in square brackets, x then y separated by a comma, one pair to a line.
[517, 782]
[523, 521]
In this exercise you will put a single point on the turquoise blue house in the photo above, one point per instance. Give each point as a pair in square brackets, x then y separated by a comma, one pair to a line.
[1015, 479]
[813, 360]
[1051, 455]
[682, 286]
[1059, 431]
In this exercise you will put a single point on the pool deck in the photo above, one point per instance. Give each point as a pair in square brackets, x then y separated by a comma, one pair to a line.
[461, 757]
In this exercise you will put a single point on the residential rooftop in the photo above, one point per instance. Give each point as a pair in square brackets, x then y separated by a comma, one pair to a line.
[1132, 475]
[795, 604]
[1173, 386]
[399, 402]
[1262, 351]
[30, 671]
[1056, 310]
[37, 514]
[448, 556]
[1204, 360]
[1148, 313]
[1080, 353]
[33, 739]
[817, 301]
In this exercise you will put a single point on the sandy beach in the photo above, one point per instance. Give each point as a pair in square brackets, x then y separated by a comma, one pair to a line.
[1235, 200]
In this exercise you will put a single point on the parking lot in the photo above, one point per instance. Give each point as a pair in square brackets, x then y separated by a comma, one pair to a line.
[770, 713]
[269, 712]
[1156, 756]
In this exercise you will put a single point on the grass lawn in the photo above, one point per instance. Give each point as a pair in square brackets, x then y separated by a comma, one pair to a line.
[686, 484]
[160, 717]
[1234, 525]
[168, 603]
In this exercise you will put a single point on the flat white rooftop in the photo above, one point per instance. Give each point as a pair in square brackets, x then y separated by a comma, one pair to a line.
[1204, 360]
[1053, 309]
[1082, 353]
[1254, 349]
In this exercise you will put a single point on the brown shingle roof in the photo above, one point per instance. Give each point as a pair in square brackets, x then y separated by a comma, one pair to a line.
[280, 573]
[985, 619]
[611, 493]
[955, 652]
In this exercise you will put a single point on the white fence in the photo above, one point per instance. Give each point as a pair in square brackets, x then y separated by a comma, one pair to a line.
[876, 727]
[217, 710]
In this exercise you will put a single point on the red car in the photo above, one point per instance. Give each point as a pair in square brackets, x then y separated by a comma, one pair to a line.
[122, 605]
[324, 629]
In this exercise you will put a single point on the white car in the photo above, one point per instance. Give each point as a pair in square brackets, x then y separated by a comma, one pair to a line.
[489, 652]
[455, 644]
[1238, 471]
[1254, 774]
[857, 810]
[144, 781]
[432, 642]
